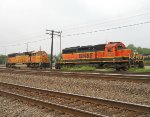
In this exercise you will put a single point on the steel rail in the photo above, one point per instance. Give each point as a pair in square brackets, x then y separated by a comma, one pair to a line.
[66, 109]
[104, 72]
[103, 76]
[138, 74]
[114, 103]
[84, 72]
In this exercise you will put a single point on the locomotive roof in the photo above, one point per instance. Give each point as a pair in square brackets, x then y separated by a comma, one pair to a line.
[88, 46]
[15, 54]
[37, 51]
[12, 54]
[71, 48]
[112, 44]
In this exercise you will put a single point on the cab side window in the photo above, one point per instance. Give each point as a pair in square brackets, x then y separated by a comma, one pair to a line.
[120, 47]
[34, 54]
[109, 49]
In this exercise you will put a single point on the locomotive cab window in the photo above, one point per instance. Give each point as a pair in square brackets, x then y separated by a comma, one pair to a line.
[119, 47]
[33, 54]
[39, 53]
[109, 49]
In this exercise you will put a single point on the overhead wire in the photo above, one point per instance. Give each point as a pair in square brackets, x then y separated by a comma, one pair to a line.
[88, 32]
[83, 33]
[107, 21]
[25, 43]
[107, 29]
[85, 25]
[21, 40]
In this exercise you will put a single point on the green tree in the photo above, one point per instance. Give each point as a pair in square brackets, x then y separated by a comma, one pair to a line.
[139, 49]
[131, 46]
[3, 59]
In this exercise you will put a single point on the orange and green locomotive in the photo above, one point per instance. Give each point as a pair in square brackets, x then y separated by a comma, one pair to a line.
[113, 54]
[37, 59]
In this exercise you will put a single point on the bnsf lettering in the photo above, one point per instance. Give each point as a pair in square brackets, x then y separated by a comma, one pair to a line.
[86, 55]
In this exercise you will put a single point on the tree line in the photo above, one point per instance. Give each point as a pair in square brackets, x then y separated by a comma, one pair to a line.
[3, 59]
[139, 49]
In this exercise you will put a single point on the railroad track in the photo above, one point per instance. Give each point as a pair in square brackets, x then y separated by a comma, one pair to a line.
[77, 105]
[105, 76]
[105, 72]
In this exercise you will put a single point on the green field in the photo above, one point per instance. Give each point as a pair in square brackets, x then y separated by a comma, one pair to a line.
[80, 68]
[147, 62]
[139, 70]
[90, 68]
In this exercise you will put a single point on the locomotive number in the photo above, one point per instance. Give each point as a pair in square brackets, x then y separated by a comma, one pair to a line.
[86, 55]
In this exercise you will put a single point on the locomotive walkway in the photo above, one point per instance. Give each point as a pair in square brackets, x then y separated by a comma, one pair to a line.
[74, 104]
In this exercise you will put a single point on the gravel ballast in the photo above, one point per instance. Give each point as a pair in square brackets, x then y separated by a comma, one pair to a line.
[11, 107]
[116, 90]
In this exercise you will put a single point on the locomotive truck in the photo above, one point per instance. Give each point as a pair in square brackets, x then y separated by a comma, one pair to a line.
[112, 54]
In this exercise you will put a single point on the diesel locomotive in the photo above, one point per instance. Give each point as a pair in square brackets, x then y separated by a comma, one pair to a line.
[112, 54]
[37, 59]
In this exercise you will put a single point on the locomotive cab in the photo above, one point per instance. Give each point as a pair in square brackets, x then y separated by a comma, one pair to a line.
[119, 55]
[39, 59]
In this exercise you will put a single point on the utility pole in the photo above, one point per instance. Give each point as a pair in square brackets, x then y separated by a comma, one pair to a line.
[40, 48]
[52, 50]
[60, 44]
[5, 53]
[52, 33]
[27, 46]
[5, 50]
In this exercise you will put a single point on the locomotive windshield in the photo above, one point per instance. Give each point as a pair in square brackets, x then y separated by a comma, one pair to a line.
[39, 53]
[119, 47]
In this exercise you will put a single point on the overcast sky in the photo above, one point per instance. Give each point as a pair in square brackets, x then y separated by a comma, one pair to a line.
[23, 21]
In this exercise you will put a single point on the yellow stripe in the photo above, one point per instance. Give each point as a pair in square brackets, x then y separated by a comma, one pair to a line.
[94, 61]
[97, 58]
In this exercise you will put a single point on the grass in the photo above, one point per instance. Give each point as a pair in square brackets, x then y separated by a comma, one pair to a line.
[79, 68]
[139, 70]
[147, 62]
[90, 68]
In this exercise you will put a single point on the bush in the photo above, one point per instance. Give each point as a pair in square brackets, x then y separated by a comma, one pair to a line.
[3, 59]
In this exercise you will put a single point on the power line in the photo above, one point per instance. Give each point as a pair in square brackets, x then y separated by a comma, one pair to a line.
[85, 25]
[24, 43]
[100, 23]
[24, 38]
[83, 33]
[107, 29]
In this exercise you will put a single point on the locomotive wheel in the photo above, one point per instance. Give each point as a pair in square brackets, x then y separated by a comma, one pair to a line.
[124, 68]
[117, 69]
[57, 66]
[141, 65]
[105, 66]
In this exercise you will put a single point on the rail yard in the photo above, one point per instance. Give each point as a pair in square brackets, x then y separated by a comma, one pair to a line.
[31, 92]
[74, 58]
[29, 86]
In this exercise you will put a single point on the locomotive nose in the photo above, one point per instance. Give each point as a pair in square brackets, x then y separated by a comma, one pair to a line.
[44, 58]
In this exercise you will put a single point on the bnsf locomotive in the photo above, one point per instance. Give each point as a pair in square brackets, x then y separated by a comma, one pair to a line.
[37, 59]
[113, 54]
